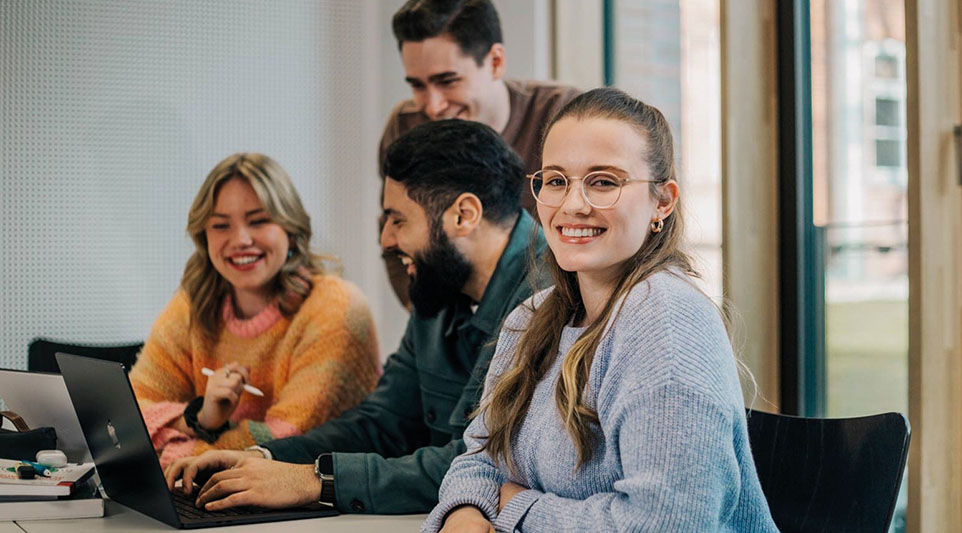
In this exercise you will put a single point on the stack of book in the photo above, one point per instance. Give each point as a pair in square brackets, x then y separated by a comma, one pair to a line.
[69, 492]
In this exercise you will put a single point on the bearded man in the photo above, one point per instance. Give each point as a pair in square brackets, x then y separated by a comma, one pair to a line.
[453, 216]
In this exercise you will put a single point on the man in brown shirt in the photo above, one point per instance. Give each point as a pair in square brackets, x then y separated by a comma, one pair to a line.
[454, 61]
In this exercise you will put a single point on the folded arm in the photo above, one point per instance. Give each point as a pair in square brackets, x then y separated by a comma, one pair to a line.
[680, 472]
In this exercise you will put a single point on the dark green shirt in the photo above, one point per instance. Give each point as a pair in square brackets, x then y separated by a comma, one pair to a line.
[392, 451]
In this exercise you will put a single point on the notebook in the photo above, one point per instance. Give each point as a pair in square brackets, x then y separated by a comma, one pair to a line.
[62, 481]
[129, 470]
[84, 503]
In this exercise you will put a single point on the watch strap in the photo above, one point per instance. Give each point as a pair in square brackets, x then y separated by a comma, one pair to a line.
[190, 419]
[324, 470]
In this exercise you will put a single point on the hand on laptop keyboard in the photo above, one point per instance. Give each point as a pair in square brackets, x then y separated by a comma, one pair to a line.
[246, 479]
[189, 468]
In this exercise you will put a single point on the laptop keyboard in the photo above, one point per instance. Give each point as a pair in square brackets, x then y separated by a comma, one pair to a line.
[187, 509]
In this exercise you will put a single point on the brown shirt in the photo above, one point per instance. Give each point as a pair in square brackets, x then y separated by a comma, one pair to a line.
[533, 103]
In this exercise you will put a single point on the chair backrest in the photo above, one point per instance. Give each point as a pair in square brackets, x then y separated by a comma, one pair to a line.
[830, 474]
[40, 354]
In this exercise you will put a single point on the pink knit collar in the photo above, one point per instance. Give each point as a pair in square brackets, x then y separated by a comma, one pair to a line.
[250, 327]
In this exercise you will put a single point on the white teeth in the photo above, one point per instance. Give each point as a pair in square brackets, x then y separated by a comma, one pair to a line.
[580, 232]
[405, 260]
[246, 260]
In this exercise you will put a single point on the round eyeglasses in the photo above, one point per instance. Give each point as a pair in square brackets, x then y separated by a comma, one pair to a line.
[600, 189]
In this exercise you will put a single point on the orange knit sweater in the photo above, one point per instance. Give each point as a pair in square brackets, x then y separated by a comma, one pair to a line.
[311, 367]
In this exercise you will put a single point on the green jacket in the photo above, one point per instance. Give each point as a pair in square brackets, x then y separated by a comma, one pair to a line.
[392, 451]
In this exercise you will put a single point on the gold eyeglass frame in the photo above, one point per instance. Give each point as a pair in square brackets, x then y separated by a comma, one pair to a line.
[584, 194]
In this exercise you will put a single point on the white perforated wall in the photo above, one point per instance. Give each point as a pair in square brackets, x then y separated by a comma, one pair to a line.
[112, 113]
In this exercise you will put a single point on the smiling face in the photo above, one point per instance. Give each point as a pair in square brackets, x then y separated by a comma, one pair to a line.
[447, 83]
[438, 270]
[596, 242]
[245, 246]
[406, 230]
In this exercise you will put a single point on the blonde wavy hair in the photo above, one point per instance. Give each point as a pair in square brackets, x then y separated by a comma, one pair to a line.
[507, 405]
[204, 286]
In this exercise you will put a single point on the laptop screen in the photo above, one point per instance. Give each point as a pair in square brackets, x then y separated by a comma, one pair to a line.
[117, 436]
[41, 399]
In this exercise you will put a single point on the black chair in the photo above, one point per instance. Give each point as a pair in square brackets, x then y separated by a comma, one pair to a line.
[830, 475]
[40, 354]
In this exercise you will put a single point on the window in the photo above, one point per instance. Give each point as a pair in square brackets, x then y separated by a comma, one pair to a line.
[860, 204]
[668, 54]
[887, 112]
[886, 66]
[888, 153]
[884, 93]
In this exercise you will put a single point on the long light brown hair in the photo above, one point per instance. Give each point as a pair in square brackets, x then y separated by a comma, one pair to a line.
[506, 406]
[204, 286]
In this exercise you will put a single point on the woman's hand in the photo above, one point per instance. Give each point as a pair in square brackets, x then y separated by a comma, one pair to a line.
[290, 301]
[466, 519]
[222, 395]
[508, 490]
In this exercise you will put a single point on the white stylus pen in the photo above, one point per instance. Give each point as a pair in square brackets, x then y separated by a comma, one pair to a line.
[249, 388]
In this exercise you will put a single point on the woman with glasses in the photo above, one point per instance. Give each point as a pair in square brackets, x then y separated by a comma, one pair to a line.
[613, 401]
[259, 342]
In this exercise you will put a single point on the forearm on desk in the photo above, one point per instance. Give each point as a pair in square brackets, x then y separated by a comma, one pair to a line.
[371, 483]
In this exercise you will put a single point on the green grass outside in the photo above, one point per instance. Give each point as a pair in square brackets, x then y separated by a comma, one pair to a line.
[867, 364]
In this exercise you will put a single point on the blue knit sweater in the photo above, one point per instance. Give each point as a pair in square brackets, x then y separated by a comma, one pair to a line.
[672, 452]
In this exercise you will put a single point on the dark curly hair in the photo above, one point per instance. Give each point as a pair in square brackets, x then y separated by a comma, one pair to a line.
[438, 161]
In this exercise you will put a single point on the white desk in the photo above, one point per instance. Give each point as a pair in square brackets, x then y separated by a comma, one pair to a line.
[9, 527]
[118, 518]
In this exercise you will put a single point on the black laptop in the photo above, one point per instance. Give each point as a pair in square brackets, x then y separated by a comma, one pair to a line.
[125, 458]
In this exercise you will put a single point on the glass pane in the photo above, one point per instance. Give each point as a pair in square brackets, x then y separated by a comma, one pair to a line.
[886, 66]
[887, 112]
[858, 103]
[667, 53]
[888, 153]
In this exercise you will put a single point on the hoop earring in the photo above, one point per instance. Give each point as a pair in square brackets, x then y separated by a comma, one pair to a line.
[657, 225]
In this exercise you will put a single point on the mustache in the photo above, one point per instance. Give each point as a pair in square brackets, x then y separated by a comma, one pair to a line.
[393, 252]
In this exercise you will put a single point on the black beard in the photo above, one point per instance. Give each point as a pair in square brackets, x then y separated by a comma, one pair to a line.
[440, 273]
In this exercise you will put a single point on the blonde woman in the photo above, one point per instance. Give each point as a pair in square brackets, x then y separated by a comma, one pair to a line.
[255, 307]
[613, 401]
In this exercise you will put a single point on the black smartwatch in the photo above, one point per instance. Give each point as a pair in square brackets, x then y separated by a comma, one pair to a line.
[190, 418]
[324, 470]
